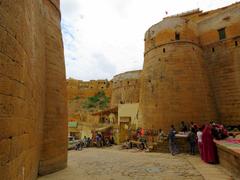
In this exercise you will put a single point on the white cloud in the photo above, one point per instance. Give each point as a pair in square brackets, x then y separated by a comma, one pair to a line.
[105, 37]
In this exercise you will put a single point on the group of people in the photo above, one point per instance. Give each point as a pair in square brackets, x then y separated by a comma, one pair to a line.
[101, 140]
[136, 139]
[203, 137]
[83, 143]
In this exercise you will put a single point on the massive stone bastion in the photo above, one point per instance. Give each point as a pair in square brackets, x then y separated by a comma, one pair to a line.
[125, 88]
[33, 106]
[191, 69]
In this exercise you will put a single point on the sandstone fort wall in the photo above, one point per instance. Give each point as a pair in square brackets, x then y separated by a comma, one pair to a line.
[189, 74]
[85, 89]
[222, 60]
[125, 88]
[32, 92]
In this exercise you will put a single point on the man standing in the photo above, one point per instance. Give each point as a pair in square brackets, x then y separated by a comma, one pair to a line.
[172, 140]
[192, 141]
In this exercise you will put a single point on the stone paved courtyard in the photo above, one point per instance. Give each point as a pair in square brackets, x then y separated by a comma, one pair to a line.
[115, 164]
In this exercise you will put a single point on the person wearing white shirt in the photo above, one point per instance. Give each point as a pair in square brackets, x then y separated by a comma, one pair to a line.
[199, 137]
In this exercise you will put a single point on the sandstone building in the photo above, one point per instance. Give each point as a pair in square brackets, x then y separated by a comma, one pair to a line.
[191, 69]
[33, 106]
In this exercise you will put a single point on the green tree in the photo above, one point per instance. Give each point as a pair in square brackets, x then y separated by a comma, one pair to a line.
[99, 101]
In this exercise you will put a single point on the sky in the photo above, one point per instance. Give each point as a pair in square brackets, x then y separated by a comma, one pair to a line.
[103, 38]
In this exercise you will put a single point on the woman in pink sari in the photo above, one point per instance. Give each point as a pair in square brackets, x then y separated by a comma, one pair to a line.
[209, 149]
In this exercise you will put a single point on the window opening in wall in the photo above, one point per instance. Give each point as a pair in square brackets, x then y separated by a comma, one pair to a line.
[222, 33]
[164, 50]
[177, 36]
[236, 43]
[213, 50]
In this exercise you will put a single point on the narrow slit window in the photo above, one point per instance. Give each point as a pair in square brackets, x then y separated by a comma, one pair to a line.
[236, 43]
[177, 36]
[222, 33]
[213, 50]
[164, 50]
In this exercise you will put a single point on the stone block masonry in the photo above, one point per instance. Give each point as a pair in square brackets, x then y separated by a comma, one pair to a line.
[33, 106]
[126, 88]
[191, 69]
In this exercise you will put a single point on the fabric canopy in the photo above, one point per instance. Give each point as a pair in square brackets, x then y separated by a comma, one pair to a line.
[72, 124]
[103, 129]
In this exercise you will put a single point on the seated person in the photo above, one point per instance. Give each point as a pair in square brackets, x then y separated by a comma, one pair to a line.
[127, 145]
[161, 136]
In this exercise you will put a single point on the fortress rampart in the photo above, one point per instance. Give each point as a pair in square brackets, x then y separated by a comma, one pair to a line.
[125, 88]
[190, 69]
[85, 89]
[33, 106]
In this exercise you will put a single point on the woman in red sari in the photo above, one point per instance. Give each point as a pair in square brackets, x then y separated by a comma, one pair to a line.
[209, 149]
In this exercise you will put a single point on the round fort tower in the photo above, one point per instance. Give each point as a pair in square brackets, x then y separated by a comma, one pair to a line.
[125, 88]
[174, 85]
[53, 155]
[33, 111]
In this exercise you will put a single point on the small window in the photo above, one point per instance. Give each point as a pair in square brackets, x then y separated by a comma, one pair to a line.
[177, 36]
[213, 50]
[236, 43]
[164, 50]
[222, 33]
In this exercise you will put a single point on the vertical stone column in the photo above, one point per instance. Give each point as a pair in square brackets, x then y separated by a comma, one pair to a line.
[54, 150]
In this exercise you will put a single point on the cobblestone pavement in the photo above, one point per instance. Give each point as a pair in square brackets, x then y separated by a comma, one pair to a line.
[115, 164]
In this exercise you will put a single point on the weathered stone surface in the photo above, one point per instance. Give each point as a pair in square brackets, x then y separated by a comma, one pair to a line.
[111, 163]
[193, 78]
[78, 89]
[32, 89]
[126, 88]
